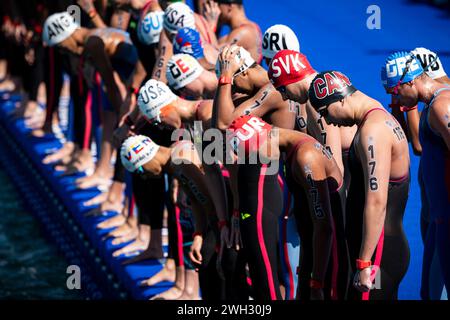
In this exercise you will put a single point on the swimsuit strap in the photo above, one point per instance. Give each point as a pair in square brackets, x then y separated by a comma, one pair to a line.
[370, 111]
[436, 93]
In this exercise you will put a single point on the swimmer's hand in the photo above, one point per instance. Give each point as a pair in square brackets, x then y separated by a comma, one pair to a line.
[362, 280]
[227, 61]
[224, 241]
[195, 252]
[128, 104]
[211, 12]
[86, 5]
[235, 236]
[225, 237]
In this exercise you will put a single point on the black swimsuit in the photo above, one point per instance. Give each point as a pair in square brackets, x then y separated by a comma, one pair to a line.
[392, 252]
[338, 273]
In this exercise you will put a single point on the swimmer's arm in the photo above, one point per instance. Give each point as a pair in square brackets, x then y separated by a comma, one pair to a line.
[98, 22]
[375, 155]
[312, 176]
[262, 103]
[413, 119]
[233, 169]
[200, 216]
[328, 135]
[282, 115]
[398, 114]
[88, 7]
[129, 104]
[218, 191]
[138, 119]
[223, 107]
[212, 179]
[331, 139]
[164, 53]
[411, 125]
[138, 75]
[439, 118]
[95, 47]
[206, 32]
[223, 40]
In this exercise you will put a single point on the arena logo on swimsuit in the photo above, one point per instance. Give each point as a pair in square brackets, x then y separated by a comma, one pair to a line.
[58, 27]
[290, 63]
[334, 81]
[273, 42]
[395, 67]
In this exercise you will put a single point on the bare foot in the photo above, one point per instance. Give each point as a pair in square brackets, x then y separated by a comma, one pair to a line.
[129, 226]
[96, 200]
[107, 206]
[145, 255]
[191, 286]
[95, 180]
[67, 159]
[7, 85]
[167, 273]
[172, 294]
[81, 162]
[37, 133]
[36, 122]
[32, 109]
[134, 247]
[65, 152]
[119, 232]
[113, 202]
[24, 110]
[113, 222]
[187, 296]
[154, 249]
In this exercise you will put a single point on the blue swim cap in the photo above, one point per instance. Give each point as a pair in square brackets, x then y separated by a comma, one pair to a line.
[188, 41]
[400, 64]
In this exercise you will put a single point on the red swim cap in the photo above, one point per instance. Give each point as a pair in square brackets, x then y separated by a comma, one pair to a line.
[248, 132]
[287, 67]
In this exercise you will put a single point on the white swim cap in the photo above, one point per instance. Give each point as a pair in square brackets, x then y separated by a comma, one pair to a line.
[177, 16]
[137, 151]
[58, 27]
[150, 27]
[181, 70]
[242, 54]
[425, 56]
[153, 96]
[279, 37]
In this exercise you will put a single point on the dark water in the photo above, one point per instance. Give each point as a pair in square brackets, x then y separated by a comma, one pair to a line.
[30, 266]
